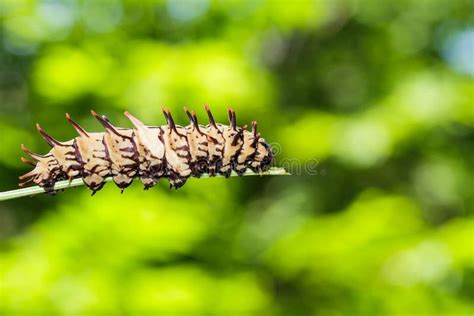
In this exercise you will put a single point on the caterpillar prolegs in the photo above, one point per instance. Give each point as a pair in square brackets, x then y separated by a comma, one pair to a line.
[149, 152]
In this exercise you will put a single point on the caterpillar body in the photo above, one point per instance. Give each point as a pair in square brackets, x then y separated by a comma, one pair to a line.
[149, 152]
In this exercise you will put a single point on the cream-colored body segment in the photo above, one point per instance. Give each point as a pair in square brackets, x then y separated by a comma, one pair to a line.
[151, 153]
[247, 150]
[215, 147]
[230, 149]
[177, 151]
[121, 155]
[93, 153]
[198, 144]
[66, 156]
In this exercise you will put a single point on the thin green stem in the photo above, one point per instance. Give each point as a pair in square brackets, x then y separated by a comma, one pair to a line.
[13, 194]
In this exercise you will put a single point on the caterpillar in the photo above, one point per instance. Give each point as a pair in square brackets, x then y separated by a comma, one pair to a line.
[148, 152]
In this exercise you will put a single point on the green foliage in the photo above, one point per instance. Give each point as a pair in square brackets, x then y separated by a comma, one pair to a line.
[375, 91]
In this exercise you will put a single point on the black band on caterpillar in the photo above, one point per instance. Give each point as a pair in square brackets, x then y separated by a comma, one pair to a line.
[149, 152]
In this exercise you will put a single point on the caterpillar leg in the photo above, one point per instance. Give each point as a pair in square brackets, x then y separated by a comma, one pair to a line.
[150, 173]
[199, 167]
[94, 182]
[176, 180]
[148, 182]
[97, 188]
[122, 181]
[226, 171]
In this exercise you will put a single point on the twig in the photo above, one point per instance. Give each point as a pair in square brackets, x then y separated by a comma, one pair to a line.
[13, 194]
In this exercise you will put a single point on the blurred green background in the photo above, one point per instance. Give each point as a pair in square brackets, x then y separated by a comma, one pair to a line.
[378, 93]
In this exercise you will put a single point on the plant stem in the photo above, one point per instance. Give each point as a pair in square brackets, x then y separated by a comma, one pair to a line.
[13, 194]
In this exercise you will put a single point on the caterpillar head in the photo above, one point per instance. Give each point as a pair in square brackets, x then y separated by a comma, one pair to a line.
[46, 172]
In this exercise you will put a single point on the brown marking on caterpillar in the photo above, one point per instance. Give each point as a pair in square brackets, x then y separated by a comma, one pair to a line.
[149, 152]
